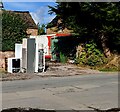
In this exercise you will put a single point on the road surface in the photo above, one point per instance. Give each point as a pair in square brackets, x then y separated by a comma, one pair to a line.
[63, 93]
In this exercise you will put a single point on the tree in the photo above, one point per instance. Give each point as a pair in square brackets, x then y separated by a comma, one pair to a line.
[13, 30]
[41, 29]
[96, 21]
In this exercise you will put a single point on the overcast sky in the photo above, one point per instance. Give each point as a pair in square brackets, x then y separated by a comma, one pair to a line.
[38, 10]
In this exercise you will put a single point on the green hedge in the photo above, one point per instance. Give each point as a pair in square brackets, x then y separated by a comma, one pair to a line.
[13, 30]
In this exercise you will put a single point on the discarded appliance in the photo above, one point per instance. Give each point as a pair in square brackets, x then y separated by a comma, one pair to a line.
[14, 65]
[39, 56]
[24, 55]
[31, 49]
[45, 40]
[42, 51]
[33, 55]
[29, 56]
[18, 50]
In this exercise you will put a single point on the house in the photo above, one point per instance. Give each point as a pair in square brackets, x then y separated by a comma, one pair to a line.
[57, 26]
[27, 18]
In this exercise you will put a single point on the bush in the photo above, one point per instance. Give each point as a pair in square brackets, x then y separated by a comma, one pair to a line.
[91, 55]
[13, 30]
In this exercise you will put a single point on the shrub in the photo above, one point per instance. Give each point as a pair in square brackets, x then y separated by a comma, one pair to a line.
[91, 55]
[13, 30]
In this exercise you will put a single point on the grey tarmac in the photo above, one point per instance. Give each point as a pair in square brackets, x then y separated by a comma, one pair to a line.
[63, 93]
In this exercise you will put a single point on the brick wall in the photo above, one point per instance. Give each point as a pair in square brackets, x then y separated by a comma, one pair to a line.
[54, 30]
[3, 55]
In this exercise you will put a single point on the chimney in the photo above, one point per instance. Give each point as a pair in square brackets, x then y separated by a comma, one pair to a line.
[1, 5]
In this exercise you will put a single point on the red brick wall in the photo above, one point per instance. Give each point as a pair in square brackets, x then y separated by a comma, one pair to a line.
[3, 55]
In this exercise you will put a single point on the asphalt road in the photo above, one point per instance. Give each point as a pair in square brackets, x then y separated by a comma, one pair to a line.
[63, 93]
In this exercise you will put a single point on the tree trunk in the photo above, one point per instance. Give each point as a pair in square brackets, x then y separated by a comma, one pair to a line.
[106, 50]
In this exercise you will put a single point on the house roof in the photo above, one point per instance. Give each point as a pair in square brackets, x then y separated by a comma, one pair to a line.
[25, 15]
[53, 22]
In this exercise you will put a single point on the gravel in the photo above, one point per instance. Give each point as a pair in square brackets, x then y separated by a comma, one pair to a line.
[53, 70]
[15, 76]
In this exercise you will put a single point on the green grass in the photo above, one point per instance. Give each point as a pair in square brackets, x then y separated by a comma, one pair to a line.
[102, 68]
[112, 69]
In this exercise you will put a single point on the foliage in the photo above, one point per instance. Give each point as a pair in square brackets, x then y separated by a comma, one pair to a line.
[91, 55]
[92, 19]
[68, 49]
[109, 69]
[63, 58]
[49, 25]
[41, 29]
[13, 30]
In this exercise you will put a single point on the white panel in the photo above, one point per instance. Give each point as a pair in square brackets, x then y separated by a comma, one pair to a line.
[24, 43]
[24, 55]
[9, 65]
[18, 50]
[32, 36]
[36, 58]
[43, 43]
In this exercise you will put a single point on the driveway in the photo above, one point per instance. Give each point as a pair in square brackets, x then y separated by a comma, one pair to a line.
[98, 90]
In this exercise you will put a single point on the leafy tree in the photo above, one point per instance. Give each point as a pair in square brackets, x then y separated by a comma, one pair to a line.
[93, 21]
[13, 30]
[41, 29]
